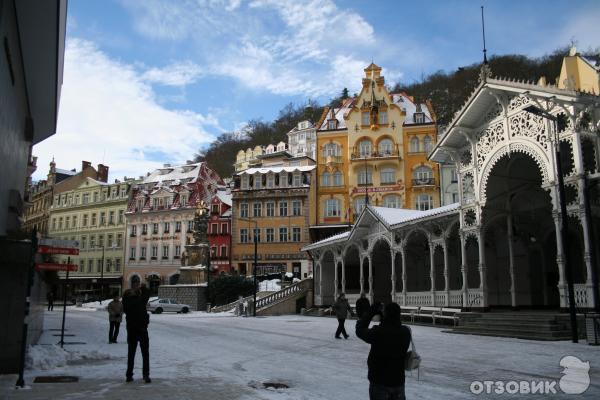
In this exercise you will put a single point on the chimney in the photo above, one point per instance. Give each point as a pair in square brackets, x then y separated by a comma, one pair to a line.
[85, 164]
[102, 173]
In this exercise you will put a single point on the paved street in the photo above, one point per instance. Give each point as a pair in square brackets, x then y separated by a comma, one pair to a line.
[222, 357]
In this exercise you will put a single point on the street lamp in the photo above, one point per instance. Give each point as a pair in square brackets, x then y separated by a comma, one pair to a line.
[255, 258]
[113, 246]
[563, 216]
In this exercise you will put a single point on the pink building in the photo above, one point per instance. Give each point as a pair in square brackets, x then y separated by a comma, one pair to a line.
[160, 218]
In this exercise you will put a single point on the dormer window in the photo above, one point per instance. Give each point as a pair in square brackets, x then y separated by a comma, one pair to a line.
[332, 124]
[383, 117]
[183, 200]
[419, 118]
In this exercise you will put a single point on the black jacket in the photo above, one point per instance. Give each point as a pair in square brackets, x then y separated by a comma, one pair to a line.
[362, 306]
[389, 343]
[134, 306]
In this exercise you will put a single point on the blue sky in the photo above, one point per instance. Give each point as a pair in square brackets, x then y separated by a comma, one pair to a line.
[148, 82]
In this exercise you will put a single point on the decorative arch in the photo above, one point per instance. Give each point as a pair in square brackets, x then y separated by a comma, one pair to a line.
[373, 243]
[414, 230]
[529, 149]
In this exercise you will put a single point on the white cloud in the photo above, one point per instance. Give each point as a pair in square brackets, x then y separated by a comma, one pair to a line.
[109, 114]
[177, 74]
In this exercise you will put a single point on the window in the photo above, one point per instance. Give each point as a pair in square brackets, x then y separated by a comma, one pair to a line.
[245, 182]
[424, 202]
[123, 191]
[338, 179]
[332, 149]
[332, 208]
[54, 224]
[165, 252]
[215, 209]
[391, 201]
[295, 234]
[423, 175]
[453, 176]
[121, 216]
[166, 227]
[297, 180]
[388, 175]
[177, 226]
[270, 209]
[108, 264]
[455, 197]
[144, 229]
[100, 240]
[223, 251]
[142, 253]
[86, 198]
[427, 144]
[177, 251]
[74, 224]
[244, 210]
[359, 204]
[109, 240]
[183, 200]
[81, 265]
[224, 228]
[414, 144]
[257, 208]
[214, 229]
[386, 147]
[383, 117]
[154, 252]
[190, 225]
[296, 208]
[117, 264]
[213, 251]
[270, 234]
[93, 219]
[365, 177]
[83, 242]
[419, 118]
[244, 235]
[155, 228]
[283, 180]
[283, 206]
[85, 221]
[111, 217]
[119, 239]
[256, 234]
[257, 181]
[270, 181]
[102, 218]
[332, 124]
[283, 235]
[90, 266]
[60, 223]
[364, 148]
[325, 181]
[99, 265]
[364, 118]
[67, 222]
[132, 253]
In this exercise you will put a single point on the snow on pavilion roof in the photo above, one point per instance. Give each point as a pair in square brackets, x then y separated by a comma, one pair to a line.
[335, 238]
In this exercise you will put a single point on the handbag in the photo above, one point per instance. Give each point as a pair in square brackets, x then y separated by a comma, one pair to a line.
[413, 359]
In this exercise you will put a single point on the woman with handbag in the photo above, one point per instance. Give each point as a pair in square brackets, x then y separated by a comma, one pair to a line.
[388, 356]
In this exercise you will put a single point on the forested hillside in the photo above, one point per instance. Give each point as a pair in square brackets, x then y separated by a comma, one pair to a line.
[447, 92]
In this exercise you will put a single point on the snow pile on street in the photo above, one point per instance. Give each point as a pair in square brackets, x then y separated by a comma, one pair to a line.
[272, 285]
[47, 357]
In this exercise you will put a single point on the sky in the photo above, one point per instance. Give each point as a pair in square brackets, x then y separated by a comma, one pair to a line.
[148, 82]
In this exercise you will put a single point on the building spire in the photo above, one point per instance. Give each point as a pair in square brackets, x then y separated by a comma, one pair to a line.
[486, 71]
[485, 61]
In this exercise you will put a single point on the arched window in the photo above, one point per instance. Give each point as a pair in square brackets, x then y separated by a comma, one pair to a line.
[388, 175]
[365, 148]
[386, 147]
[423, 175]
[424, 202]
[338, 179]
[331, 149]
[391, 201]
[325, 180]
[414, 144]
[427, 144]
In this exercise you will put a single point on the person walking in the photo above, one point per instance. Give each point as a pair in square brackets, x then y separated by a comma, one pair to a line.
[362, 305]
[115, 316]
[50, 298]
[134, 305]
[341, 308]
[389, 344]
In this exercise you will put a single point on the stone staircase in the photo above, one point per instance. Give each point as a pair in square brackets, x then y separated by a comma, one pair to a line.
[523, 325]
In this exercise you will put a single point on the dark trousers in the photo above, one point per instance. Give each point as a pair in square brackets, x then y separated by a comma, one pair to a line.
[50, 306]
[381, 392]
[135, 335]
[113, 331]
[341, 329]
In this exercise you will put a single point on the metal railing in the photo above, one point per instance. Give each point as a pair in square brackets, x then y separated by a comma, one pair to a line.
[423, 181]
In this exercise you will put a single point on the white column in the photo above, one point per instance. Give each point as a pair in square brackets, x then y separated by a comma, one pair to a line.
[370, 278]
[463, 267]
[446, 273]
[432, 271]
[362, 277]
[560, 261]
[403, 257]
[343, 275]
[393, 258]
[583, 218]
[482, 267]
[335, 278]
[511, 262]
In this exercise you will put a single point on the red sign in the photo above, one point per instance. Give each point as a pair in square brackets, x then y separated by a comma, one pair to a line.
[378, 189]
[56, 267]
[58, 250]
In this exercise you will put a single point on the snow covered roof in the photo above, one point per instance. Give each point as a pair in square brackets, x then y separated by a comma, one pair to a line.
[398, 216]
[594, 61]
[224, 197]
[276, 170]
[65, 171]
[403, 101]
[171, 173]
[339, 115]
[335, 238]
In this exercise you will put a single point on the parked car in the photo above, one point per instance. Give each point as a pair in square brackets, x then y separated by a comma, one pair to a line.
[158, 306]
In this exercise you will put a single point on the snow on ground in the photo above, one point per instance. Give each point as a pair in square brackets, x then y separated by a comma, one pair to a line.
[272, 285]
[219, 356]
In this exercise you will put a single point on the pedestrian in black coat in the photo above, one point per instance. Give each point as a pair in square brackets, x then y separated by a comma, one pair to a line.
[50, 298]
[134, 305]
[389, 343]
[362, 305]
[341, 308]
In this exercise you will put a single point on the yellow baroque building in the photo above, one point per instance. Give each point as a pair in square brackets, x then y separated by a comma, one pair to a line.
[373, 148]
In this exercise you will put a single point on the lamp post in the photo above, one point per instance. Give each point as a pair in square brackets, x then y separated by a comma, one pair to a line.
[563, 217]
[113, 246]
[255, 259]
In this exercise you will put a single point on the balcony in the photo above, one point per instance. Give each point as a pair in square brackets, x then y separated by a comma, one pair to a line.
[423, 181]
[357, 156]
[332, 160]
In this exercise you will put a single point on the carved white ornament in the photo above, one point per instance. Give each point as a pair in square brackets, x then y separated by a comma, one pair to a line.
[529, 125]
[487, 139]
